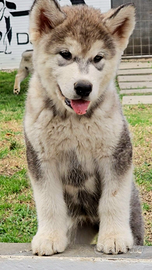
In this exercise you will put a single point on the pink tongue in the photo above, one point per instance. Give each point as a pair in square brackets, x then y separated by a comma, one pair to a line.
[80, 106]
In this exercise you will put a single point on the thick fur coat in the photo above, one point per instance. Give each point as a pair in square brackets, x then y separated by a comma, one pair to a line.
[79, 151]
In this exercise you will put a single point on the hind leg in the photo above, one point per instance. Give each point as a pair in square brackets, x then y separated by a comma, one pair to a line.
[136, 219]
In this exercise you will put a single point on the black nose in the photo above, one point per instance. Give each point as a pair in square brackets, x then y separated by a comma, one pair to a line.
[83, 88]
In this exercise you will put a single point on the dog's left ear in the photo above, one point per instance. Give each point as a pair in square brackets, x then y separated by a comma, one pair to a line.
[120, 23]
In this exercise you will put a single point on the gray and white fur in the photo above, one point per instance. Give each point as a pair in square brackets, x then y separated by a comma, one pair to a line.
[80, 161]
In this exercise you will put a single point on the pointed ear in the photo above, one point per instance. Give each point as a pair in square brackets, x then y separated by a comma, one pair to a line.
[120, 23]
[44, 16]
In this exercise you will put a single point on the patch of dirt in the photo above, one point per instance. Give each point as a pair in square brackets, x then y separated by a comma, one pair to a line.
[10, 164]
[15, 159]
[142, 150]
[13, 125]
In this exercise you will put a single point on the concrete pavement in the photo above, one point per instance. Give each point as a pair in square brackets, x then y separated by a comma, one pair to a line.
[19, 257]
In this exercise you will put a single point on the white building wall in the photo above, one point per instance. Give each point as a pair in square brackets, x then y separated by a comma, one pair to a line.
[104, 5]
[15, 13]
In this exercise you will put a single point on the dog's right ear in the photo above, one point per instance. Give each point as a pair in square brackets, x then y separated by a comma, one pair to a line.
[44, 16]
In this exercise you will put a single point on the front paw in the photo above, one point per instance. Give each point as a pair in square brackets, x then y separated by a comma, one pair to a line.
[115, 243]
[48, 244]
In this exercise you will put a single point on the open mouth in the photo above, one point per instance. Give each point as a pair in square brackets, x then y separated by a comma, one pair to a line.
[80, 106]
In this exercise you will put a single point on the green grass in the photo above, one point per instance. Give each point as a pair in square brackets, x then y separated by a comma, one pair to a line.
[18, 221]
[23, 221]
[4, 153]
[139, 114]
[17, 212]
[143, 176]
[139, 117]
[146, 206]
[18, 215]
[11, 105]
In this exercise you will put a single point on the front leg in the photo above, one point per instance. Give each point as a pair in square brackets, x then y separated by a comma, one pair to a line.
[52, 216]
[51, 236]
[115, 234]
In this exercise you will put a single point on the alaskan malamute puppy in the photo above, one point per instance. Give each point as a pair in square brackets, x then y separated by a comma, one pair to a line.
[79, 151]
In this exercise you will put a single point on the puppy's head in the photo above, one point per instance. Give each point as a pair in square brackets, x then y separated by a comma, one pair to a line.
[77, 49]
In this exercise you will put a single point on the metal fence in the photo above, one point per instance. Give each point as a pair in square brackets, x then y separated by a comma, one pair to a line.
[141, 40]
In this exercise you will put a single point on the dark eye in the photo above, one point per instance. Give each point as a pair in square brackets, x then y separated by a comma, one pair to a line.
[66, 55]
[97, 58]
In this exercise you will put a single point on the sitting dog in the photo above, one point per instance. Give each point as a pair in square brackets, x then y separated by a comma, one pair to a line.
[25, 68]
[78, 146]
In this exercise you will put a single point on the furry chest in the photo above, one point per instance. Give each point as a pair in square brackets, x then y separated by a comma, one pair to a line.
[87, 137]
